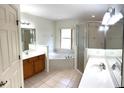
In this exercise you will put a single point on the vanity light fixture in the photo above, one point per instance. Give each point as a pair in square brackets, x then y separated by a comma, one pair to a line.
[115, 18]
[111, 17]
[103, 28]
[106, 28]
[93, 16]
[25, 23]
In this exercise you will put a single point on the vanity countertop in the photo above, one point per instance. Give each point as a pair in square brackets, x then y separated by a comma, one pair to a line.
[94, 77]
[31, 54]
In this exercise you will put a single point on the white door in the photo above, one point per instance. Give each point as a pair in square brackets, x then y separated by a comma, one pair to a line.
[10, 75]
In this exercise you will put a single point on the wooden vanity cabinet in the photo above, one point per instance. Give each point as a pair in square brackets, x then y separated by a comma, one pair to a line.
[28, 68]
[39, 64]
[34, 65]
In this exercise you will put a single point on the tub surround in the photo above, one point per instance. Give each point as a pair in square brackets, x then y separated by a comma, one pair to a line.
[61, 64]
[58, 55]
[61, 60]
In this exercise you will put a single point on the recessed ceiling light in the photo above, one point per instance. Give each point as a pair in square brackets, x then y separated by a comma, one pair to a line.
[93, 16]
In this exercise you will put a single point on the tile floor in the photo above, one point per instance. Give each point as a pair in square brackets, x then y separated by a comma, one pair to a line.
[55, 79]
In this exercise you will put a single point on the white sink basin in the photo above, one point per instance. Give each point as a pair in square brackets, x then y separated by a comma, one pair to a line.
[31, 53]
[96, 68]
[94, 76]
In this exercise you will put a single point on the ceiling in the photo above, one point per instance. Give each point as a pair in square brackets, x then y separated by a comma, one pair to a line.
[69, 11]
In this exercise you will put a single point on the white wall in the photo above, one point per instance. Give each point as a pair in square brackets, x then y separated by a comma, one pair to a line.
[65, 24]
[45, 29]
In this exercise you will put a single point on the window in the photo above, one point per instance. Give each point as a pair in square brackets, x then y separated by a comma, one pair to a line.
[66, 38]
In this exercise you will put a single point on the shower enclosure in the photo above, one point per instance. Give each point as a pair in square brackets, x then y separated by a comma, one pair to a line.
[81, 45]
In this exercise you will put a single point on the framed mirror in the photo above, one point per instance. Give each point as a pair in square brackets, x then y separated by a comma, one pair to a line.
[28, 37]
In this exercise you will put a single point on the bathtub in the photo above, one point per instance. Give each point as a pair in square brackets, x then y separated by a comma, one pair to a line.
[60, 61]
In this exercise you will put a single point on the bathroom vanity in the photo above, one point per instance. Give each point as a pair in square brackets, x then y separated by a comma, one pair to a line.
[103, 69]
[97, 76]
[33, 65]
[34, 56]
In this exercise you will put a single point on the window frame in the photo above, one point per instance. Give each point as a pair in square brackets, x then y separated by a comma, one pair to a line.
[70, 39]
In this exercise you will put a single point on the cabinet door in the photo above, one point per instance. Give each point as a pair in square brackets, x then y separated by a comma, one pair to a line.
[39, 64]
[42, 58]
[28, 68]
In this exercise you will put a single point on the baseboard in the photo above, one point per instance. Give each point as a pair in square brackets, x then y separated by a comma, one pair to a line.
[79, 71]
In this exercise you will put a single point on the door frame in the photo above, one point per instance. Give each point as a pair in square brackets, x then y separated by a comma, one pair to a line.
[17, 8]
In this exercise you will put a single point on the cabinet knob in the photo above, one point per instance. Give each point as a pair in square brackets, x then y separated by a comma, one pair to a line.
[3, 83]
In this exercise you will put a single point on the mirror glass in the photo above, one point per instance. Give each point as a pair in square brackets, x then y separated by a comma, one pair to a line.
[114, 36]
[95, 37]
[28, 38]
[113, 41]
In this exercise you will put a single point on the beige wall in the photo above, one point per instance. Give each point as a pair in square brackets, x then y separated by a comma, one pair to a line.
[45, 29]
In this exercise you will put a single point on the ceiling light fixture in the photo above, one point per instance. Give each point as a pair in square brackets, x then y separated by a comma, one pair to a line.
[93, 16]
[103, 28]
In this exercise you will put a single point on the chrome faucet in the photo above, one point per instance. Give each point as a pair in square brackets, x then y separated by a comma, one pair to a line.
[114, 66]
[26, 52]
[102, 66]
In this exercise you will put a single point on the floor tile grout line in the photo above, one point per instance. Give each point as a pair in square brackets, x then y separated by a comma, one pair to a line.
[54, 74]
